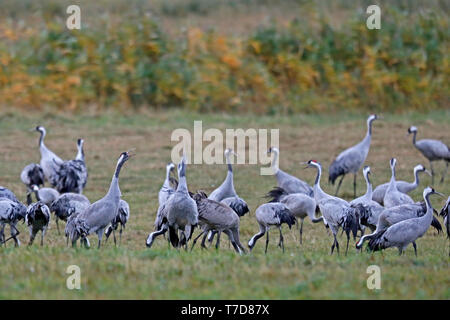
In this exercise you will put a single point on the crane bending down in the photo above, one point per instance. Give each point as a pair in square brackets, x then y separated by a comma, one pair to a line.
[37, 219]
[32, 175]
[271, 214]
[299, 204]
[351, 160]
[335, 211]
[401, 234]
[433, 150]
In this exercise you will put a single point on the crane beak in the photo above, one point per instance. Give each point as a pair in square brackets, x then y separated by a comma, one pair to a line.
[305, 163]
[380, 117]
[131, 152]
[428, 172]
[32, 129]
[439, 194]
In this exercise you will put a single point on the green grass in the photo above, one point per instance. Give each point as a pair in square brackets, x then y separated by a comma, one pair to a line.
[133, 271]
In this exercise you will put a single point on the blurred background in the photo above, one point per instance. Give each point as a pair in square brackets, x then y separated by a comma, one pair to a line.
[245, 56]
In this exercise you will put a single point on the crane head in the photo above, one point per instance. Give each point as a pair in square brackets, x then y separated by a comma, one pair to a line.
[412, 129]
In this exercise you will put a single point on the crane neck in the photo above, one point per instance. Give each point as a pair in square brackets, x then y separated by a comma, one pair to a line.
[167, 179]
[392, 181]
[429, 213]
[182, 184]
[416, 178]
[274, 166]
[80, 153]
[317, 189]
[414, 137]
[228, 162]
[368, 194]
[114, 190]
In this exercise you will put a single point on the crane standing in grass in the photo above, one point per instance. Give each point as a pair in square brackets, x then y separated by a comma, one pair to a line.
[403, 233]
[393, 197]
[351, 160]
[123, 214]
[49, 160]
[32, 175]
[433, 150]
[99, 215]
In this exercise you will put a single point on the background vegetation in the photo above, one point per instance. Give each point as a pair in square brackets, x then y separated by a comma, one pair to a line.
[239, 55]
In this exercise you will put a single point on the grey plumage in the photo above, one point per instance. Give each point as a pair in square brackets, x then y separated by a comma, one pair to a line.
[367, 209]
[227, 194]
[49, 160]
[214, 215]
[300, 205]
[8, 194]
[433, 150]
[167, 188]
[393, 215]
[351, 159]
[287, 182]
[99, 215]
[336, 212]
[72, 175]
[123, 214]
[11, 212]
[31, 175]
[393, 197]
[401, 234]
[37, 219]
[66, 207]
[182, 214]
[268, 215]
[402, 186]
[45, 195]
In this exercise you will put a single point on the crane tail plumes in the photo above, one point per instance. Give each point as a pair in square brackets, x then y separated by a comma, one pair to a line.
[350, 221]
[286, 217]
[377, 241]
[436, 224]
[275, 194]
[173, 236]
[336, 170]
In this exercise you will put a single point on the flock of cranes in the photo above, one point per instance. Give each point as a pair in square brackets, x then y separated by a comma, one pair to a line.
[393, 217]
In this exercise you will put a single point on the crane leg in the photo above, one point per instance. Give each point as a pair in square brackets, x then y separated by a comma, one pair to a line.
[267, 241]
[120, 235]
[218, 240]
[204, 240]
[445, 172]
[348, 239]
[195, 240]
[57, 226]
[432, 172]
[339, 185]
[354, 185]
[281, 244]
[415, 248]
[301, 231]
[100, 235]
[31, 239]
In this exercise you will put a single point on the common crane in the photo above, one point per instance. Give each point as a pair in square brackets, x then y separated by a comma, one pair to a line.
[123, 214]
[68, 206]
[49, 160]
[167, 188]
[8, 194]
[45, 195]
[37, 219]
[31, 175]
[433, 150]
[393, 197]
[401, 234]
[268, 215]
[351, 160]
[72, 175]
[402, 186]
[227, 194]
[287, 182]
[214, 215]
[11, 212]
[182, 214]
[99, 215]
[368, 210]
[300, 205]
[393, 215]
[335, 211]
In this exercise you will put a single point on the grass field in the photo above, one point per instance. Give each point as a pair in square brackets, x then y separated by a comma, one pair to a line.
[134, 272]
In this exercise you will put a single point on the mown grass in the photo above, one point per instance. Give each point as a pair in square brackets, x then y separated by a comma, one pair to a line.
[133, 271]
